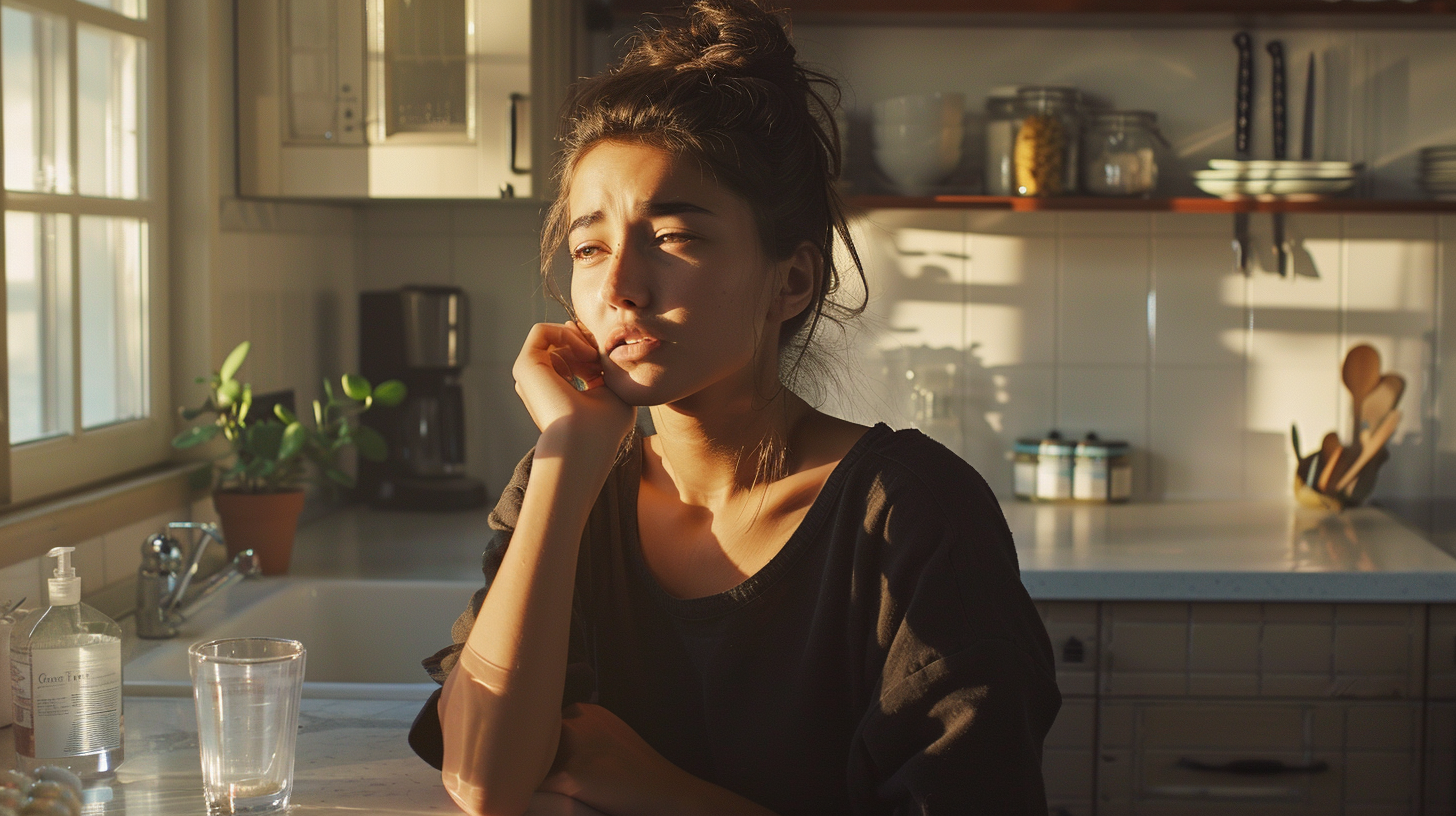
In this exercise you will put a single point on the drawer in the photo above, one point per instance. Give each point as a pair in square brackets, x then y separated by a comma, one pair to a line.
[1165, 757]
[1373, 651]
[1072, 628]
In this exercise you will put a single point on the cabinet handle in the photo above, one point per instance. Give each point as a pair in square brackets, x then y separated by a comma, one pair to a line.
[517, 101]
[1254, 767]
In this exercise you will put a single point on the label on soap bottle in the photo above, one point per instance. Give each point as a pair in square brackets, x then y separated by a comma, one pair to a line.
[68, 701]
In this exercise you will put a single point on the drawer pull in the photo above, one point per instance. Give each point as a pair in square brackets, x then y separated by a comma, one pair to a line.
[1254, 767]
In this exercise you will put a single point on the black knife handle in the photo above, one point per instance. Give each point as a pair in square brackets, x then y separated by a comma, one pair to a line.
[1280, 104]
[1245, 103]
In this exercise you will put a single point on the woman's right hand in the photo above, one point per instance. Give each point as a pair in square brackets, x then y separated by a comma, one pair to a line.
[559, 378]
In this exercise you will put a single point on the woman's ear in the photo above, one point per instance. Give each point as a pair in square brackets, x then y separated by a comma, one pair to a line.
[799, 276]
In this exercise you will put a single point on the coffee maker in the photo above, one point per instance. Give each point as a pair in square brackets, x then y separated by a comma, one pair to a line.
[419, 335]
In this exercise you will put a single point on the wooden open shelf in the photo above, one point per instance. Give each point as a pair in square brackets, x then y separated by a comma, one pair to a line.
[849, 9]
[1200, 204]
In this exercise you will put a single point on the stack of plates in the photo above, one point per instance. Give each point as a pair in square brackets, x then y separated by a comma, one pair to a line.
[1438, 171]
[1227, 178]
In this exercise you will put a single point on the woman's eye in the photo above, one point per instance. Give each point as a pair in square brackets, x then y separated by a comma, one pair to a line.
[583, 253]
[674, 238]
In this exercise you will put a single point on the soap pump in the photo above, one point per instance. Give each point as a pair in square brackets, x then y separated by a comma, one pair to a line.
[65, 672]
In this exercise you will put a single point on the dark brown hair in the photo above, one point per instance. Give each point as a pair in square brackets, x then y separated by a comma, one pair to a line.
[722, 86]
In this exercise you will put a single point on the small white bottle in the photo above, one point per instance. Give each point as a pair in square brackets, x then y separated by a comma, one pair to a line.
[65, 676]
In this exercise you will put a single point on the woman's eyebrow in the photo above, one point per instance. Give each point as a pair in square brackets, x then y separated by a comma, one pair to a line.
[673, 208]
[650, 208]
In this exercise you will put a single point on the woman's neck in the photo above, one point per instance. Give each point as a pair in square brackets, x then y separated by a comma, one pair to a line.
[713, 449]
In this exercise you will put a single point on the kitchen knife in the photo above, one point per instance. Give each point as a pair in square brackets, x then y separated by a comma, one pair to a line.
[1280, 109]
[1243, 112]
[1306, 136]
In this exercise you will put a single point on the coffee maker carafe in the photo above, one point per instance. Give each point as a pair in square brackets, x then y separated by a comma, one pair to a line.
[419, 335]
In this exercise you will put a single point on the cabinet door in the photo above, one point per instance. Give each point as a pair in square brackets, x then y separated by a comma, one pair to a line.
[1069, 757]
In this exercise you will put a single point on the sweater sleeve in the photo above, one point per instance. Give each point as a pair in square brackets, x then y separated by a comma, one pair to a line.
[426, 736]
[967, 690]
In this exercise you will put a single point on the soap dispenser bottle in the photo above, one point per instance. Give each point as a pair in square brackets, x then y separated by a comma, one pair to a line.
[65, 675]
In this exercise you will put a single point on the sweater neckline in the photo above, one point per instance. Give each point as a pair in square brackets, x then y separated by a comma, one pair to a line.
[754, 585]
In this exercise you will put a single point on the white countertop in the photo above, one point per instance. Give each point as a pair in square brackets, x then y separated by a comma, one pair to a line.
[351, 757]
[1177, 551]
[1225, 551]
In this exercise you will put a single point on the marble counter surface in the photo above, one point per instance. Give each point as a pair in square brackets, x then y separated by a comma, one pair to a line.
[1212, 551]
[351, 757]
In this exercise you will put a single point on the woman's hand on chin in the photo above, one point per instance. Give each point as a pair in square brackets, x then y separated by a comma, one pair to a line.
[602, 762]
[559, 378]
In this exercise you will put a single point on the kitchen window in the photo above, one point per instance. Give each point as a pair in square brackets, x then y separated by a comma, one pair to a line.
[84, 257]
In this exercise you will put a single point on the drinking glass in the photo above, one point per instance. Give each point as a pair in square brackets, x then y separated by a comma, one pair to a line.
[247, 692]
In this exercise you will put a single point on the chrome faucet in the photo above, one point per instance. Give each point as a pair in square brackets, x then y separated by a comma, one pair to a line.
[162, 584]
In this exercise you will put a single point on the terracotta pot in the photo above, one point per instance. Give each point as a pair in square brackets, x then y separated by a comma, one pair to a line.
[262, 522]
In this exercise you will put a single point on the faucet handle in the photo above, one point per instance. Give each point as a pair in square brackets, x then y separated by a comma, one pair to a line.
[161, 554]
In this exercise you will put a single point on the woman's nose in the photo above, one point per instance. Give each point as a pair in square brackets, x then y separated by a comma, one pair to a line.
[625, 284]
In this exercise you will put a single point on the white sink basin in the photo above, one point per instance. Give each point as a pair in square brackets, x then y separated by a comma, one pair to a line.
[365, 639]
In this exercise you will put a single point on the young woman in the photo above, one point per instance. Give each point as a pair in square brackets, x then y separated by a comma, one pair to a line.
[759, 608]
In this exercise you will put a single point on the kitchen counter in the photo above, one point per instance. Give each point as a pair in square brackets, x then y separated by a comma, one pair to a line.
[351, 757]
[1175, 551]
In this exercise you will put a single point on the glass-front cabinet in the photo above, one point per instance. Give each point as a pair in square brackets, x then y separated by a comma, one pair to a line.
[384, 98]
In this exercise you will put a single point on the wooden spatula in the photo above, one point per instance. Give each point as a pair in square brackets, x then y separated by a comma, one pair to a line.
[1381, 400]
[1361, 373]
[1376, 440]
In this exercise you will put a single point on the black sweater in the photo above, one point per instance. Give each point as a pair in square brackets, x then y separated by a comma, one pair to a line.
[887, 660]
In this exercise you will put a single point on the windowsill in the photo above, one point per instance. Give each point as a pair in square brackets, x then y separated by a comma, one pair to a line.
[31, 529]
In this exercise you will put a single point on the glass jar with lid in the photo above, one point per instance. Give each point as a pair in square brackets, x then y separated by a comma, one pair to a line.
[1120, 154]
[1002, 116]
[1047, 138]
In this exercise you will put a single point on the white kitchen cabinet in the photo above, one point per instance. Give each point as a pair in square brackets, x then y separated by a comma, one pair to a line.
[357, 99]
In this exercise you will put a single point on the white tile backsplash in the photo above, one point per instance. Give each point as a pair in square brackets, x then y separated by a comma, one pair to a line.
[1102, 300]
[1137, 327]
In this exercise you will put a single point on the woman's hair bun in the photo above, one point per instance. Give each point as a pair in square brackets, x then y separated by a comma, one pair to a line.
[727, 37]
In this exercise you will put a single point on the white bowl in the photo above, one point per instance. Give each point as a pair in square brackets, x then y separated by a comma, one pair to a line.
[917, 139]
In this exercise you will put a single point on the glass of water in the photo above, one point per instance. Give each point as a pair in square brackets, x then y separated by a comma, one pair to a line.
[247, 692]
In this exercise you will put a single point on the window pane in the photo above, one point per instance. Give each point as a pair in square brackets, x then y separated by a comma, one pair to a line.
[38, 324]
[136, 9]
[427, 67]
[37, 116]
[113, 320]
[110, 107]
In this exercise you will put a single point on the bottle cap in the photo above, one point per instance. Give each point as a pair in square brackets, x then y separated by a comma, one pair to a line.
[65, 587]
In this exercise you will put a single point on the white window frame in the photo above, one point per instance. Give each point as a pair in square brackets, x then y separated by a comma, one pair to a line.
[62, 464]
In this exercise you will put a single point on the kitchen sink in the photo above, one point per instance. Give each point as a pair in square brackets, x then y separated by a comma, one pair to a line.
[365, 638]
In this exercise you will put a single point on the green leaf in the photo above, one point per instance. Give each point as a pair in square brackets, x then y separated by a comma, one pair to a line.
[340, 477]
[389, 393]
[371, 445]
[318, 414]
[356, 387]
[193, 413]
[228, 393]
[194, 436]
[328, 391]
[247, 404]
[200, 380]
[234, 361]
[293, 438]
[286, 416]
[264, 440]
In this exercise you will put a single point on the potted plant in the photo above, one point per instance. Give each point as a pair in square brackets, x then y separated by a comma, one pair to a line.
[259, 493]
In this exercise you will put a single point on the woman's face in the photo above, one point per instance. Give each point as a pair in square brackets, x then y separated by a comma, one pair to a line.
[669, 277]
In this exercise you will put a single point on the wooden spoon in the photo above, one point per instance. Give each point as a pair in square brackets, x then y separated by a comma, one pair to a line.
[1377, 439]
[1329, 454]
[1381, 400]
[1361, 374]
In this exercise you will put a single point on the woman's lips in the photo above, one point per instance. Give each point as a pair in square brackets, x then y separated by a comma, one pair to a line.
[633, 351]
